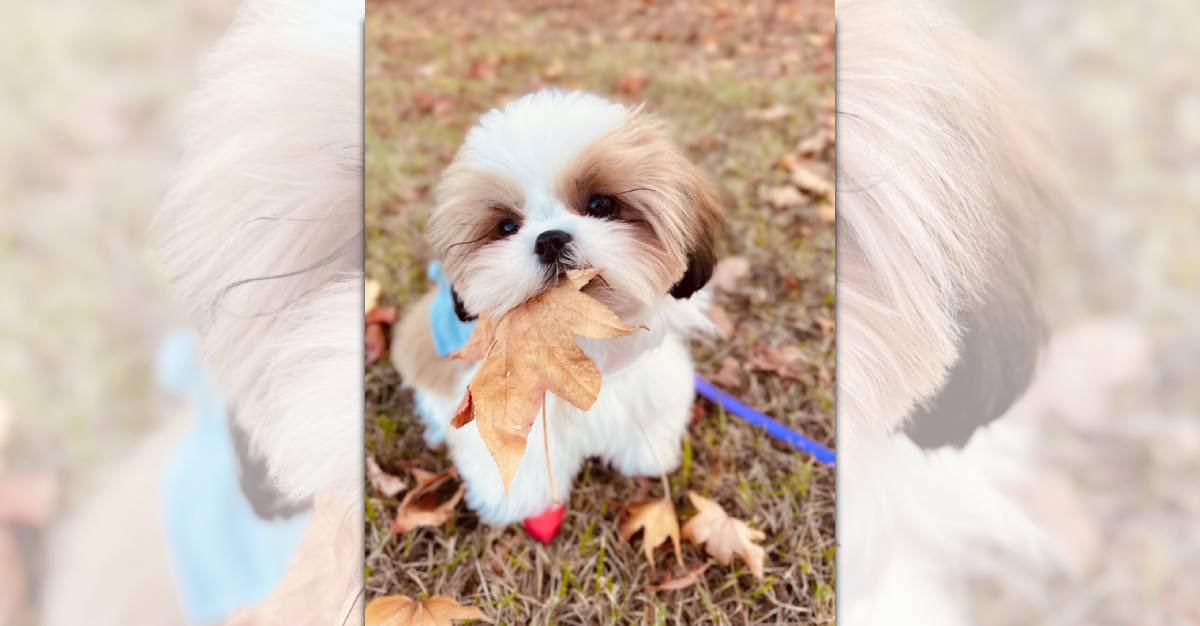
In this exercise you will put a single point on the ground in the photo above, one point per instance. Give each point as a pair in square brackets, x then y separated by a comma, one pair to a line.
[748, 91]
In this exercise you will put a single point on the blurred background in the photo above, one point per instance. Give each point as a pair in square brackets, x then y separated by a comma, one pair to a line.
[1114, 412]
[92, 94]
[746, 89]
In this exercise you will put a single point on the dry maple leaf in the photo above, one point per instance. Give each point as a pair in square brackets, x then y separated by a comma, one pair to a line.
[633, 82]
[724, 536]
[381, 315]
[527, 352]
[721, 321]
[783, 196]
[769, 114]
[811, 182]
[427, 504]
[387, 485]
[374, 342]
[657, 521]
[729, 272]
[730, 374]
[670, 583]
[371, 290]
[404, 611]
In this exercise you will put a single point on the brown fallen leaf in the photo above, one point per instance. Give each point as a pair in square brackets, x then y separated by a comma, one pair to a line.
[816, 143]
[381, 315]
[721, 320]
[785, 361]
[633, 82]
[671, 583]
[427, 503]
[730, 374]
[729, 272]
[810, 182]
[723, 536]
[826, 212]
[783, 196]
[424, 100]
[783, 356]
[657, 521]
[404, 611]
[384, 483]
[371, 290]
[527, 352]
[769, 114]
[554, 70]
[376, 342]
[485, 68]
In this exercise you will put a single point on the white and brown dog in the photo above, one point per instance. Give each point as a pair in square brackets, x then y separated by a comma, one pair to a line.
[944, 182]
[554, 181]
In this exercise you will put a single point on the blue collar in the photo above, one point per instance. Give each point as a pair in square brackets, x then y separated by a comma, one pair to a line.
[449, 332]
[225, 557]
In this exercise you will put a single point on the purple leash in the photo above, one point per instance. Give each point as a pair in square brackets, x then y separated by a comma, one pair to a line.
[773, 427]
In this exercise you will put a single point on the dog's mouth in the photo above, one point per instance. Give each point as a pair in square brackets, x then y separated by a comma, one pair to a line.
[596, 287]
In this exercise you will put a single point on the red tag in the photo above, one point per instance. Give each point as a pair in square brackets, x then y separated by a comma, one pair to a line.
[544, 526]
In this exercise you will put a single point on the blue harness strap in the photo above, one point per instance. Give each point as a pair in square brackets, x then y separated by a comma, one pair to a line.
[449, 332]
[225, 557]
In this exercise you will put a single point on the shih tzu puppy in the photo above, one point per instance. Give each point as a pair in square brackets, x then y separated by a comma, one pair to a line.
[944, 183]
[554, 181]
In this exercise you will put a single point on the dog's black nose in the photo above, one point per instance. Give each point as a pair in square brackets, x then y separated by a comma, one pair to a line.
[550, 245]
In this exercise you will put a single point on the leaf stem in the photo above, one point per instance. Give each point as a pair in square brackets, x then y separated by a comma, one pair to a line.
[546, 447]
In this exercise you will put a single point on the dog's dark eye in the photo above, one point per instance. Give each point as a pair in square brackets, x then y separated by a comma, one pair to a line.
[602, 206]
[507, 227]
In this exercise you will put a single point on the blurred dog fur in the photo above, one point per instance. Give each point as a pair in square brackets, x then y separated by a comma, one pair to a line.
[261, 238]
[943, 185]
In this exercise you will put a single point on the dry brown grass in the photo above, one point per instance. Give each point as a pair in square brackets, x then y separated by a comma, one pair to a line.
[430, 72]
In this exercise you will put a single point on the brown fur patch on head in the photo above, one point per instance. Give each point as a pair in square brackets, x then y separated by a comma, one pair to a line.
[470, 205]
[659, 191]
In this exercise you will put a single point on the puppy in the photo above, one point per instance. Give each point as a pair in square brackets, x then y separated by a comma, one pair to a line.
[550, 182]
[944, 183]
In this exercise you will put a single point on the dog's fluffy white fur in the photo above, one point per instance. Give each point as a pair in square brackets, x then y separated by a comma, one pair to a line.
[943, 181]
[260, 236]
[538, 162]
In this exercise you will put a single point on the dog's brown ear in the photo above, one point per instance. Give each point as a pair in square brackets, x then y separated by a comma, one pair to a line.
[699, 270]
[460, 309]
[998, 354]
[707, 220]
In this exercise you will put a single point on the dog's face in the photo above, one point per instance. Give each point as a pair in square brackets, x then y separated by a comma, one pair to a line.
[555, 181]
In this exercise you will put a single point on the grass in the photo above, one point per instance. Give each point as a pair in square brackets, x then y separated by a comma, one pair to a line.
[430, 72]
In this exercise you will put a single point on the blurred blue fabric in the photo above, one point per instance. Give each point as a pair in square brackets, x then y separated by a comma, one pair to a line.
[225, 557]
[449, 332]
